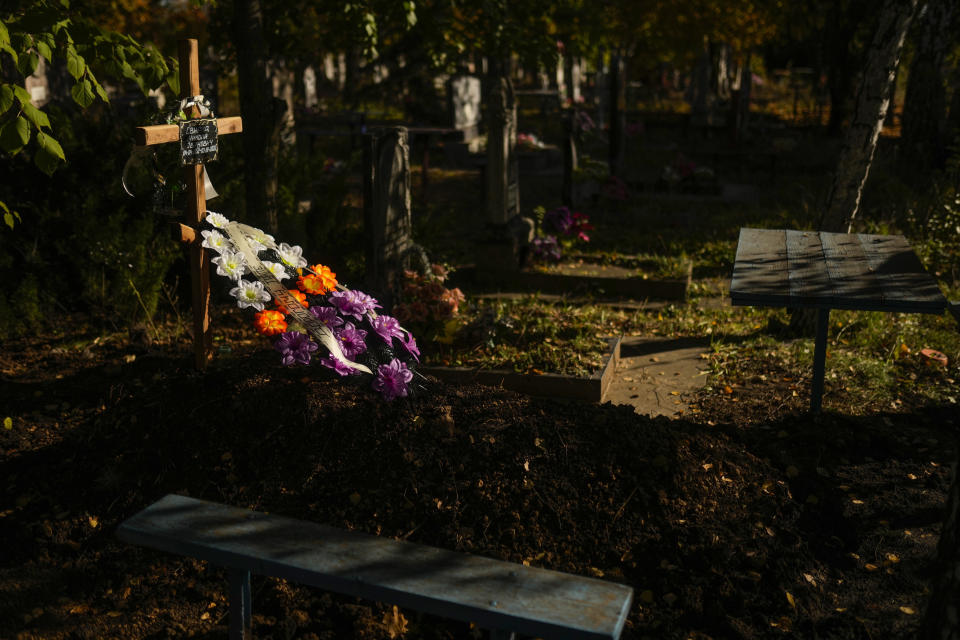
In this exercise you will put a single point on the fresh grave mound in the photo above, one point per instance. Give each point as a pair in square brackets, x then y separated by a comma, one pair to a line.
[704, 531]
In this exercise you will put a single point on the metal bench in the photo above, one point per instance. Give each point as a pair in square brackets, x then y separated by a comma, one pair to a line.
[500, 596]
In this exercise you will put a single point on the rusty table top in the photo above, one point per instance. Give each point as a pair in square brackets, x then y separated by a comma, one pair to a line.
[777, 267]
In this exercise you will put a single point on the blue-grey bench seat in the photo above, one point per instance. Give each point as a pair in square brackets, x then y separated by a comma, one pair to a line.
[501, 596]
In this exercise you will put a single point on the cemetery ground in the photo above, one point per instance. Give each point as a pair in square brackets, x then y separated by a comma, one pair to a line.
[741, 516]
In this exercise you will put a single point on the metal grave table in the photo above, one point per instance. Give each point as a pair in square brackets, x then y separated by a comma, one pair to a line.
[820, 270]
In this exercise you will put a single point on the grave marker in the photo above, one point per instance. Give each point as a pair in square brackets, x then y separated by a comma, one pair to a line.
[195, 145]
[386, 208]
[503, 169]
[465, 97]
[570, 157]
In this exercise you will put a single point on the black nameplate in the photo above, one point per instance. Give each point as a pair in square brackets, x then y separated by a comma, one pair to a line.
[198, 141]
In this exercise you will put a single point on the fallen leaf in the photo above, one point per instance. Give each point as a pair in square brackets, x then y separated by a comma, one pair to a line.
[597, 572]
[8, 423]
[395, 622]
[809, 578]
[870, 566]
[94, 523]
[707, 466]
[893, 558]
[908, 610]
[793, 603]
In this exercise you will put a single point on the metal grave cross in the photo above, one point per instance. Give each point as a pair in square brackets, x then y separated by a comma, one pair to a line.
[196, 195]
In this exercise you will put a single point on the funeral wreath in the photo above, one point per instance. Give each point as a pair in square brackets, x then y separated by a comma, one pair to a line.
[317, 319]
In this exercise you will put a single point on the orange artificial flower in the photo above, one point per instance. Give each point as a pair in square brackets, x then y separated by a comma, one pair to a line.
[269, 322]
[301, 298]
[311, 284]
[327, 277]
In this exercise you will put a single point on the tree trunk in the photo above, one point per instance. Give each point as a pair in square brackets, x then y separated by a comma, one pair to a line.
[953, 115]
[618, 113]
[942, 619]
[924, 107]
[262, 116]
[873, 98]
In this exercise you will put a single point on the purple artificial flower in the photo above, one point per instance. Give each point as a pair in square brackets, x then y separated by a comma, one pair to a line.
[411, 345]
[294, 347]
[559, 220]
[392, 380]
[546, 248]
[327, 316]
[387, 328]
[353, 303]
[338, 365]
[352, 340]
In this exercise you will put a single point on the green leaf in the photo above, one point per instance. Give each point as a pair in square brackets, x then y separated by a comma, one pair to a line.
[44, 50]
[173, 81]
[4, 34]
[9, 49]
[27, 63]
[75, 64]
[22, 94]
[50, 154]
[6, 98]
[82, 93]
[37, 117]
[15, 135]
[8, 218]
[98, 87]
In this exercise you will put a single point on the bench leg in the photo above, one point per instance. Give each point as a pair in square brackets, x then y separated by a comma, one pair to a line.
[498, 634]
[240, 602]
[819, 360]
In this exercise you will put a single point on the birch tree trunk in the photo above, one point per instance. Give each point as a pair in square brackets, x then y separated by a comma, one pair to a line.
[924, 107]
[942, 619]
[870, 110]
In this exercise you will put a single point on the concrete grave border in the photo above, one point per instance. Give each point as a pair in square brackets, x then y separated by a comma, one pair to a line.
[554, 385]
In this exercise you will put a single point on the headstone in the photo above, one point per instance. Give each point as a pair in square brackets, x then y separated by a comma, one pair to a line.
[282, 80]
[329, 67]
[465, 99]
[310, 100]
[570, 158]
[561, 81]
[601, 91]
[37, 85]
[503, 169]
[386, 208]
[574, 79]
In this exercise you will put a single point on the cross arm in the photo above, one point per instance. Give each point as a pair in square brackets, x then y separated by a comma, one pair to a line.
[160, 133]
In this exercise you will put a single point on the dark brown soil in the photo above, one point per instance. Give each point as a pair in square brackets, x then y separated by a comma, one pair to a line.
[749, 520]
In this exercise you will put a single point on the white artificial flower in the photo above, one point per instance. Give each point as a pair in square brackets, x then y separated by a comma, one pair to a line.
[231, 264]
[276, 269]
[292, 256]
[216, 241]
[260, 240]
[250, 294]
[217, 220]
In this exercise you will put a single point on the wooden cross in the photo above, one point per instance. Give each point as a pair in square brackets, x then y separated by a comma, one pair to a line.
[196, 198]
